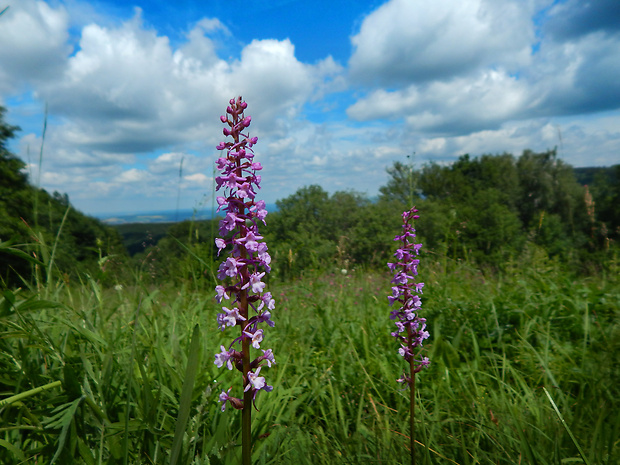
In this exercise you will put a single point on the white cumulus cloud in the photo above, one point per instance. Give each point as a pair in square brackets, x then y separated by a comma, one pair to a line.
[406, 41]
[33, 44]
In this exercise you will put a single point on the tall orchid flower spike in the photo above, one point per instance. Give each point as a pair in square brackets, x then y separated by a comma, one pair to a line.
[243, 270]
[410, 327]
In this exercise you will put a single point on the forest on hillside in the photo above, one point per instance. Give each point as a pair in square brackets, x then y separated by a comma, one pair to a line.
[40, 231]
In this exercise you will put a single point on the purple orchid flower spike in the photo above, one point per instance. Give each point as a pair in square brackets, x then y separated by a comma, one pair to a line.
[410, 327]
[248, 262]
[244, 269]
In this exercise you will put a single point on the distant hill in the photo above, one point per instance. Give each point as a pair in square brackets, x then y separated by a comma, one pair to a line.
[142, 230]
[587, 176]
[163, 216]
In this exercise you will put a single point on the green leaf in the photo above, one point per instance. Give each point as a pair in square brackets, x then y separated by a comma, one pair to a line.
[65, 420]
[15, 450]
[19, 253]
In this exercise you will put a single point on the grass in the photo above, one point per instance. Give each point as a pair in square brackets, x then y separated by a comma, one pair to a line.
[524, 371]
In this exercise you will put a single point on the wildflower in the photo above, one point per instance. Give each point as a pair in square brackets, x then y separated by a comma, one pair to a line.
[223, 358]
[225, 397]
[230, 317]
[256, 338]
[268, 357]
[266, 299]
[266, 318]
[245, 267]
[410, 328]
[228, 268]
[221, 293]
[255, 381]
[255, 282]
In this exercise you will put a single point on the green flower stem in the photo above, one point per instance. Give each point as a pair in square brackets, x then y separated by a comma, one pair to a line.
[412, 407]
[246, 413]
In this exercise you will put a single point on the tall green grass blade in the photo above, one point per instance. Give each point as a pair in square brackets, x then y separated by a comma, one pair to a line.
[570, 433]
[85, 453]
[10, 304]
[186, 395]
[31, 392]
[6, 444]
[38, 185]
[50, 265]
[6, 247]
[190, 251]
[130, 386]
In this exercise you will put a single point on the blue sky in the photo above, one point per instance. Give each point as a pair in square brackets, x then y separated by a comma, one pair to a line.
[338, 91]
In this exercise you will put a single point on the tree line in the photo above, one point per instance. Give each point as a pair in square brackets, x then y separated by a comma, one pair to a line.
[487, 210]
[492, 211]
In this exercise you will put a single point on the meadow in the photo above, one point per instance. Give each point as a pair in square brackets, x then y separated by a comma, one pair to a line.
[109, 359]
[524, 370]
